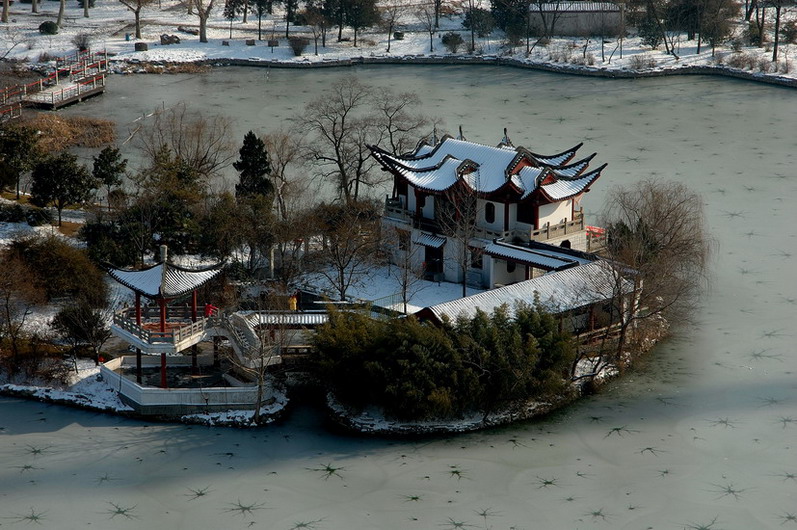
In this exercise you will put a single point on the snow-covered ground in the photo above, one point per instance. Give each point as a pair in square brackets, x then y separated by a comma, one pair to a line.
[110, 25]
[382, 286]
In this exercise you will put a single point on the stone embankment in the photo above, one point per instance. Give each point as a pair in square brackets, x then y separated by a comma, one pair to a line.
[490, 60]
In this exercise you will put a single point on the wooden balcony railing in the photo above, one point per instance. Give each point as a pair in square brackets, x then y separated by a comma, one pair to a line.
[179, 328]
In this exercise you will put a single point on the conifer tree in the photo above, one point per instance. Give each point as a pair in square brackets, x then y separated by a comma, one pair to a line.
[61, 181]
[109, 166]
[254, 167]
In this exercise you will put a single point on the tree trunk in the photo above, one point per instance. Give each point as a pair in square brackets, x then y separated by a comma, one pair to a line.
[34, 6]
[431, 41]
[5, 11]
[203, 29]
[777, 33]
[246, 12]
[61, 6]
[85, 8]
[230, 28]
[137, 14]
[259, 26]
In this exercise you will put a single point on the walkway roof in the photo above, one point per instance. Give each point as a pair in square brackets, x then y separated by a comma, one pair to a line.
[557, 292]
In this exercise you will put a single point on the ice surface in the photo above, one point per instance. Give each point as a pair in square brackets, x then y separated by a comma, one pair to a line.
[704, 431]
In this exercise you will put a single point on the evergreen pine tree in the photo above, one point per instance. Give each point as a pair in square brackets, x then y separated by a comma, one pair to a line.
[109, 166]
[62, 181]
[254, 167]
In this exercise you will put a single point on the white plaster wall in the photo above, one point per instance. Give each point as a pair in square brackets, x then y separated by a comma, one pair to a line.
[500, 274]
[498, 222]
[554, 213]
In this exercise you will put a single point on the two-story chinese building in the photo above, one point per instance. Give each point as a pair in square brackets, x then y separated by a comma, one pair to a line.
[517, 212]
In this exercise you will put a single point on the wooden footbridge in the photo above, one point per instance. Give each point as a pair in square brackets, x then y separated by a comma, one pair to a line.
[77, 76]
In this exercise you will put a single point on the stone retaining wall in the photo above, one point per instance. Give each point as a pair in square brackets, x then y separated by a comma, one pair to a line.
[517, 63]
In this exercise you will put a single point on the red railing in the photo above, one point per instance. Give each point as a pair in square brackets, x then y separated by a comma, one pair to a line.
[82, 67]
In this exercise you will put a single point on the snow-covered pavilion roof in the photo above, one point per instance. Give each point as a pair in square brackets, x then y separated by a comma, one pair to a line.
[485, 169]
[164, 280]
[557, 292]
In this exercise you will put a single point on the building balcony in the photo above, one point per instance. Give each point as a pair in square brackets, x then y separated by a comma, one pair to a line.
[558, 230]
[180, 332]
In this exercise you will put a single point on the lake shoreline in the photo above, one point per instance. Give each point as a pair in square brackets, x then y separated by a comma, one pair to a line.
[568, 69]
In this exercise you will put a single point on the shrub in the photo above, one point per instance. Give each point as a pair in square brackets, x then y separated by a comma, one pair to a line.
[82, 41]
[785, 67]
[737, 44]
[398, 35]
[650, 34]
[752, 35]
[298, 45]
[483, 21]
[45, 57]
[48, 28]
[789, 31]
[765, 65]
[62, 269]
[452, 41]
[38, 217]
[12, 213]
[415, 370]
[640, 62]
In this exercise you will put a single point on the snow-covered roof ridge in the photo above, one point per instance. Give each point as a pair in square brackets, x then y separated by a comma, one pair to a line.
[164, 279]
[487, 169]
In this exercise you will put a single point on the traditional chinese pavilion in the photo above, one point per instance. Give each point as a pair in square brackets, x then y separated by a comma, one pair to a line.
[527, 215]
[158, 327]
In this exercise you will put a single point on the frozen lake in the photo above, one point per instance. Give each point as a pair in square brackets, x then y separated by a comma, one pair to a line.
[703, 435]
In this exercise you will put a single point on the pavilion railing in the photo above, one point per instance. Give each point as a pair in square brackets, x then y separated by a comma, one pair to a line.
[181, 329]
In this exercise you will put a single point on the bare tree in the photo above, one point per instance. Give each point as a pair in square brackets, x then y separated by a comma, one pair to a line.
[259, 352]
[319, 25]
[81, 324]
[341, 129]
[549, 12]
[350, 243]
[657, 239]
[203, 9]
[202, 142]
[61, 7]
[780, 7]
[395, 119]
[458, 213]
[20, 293]
[404, 257]
[425, 15]
[390, 17]
[285, 151]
